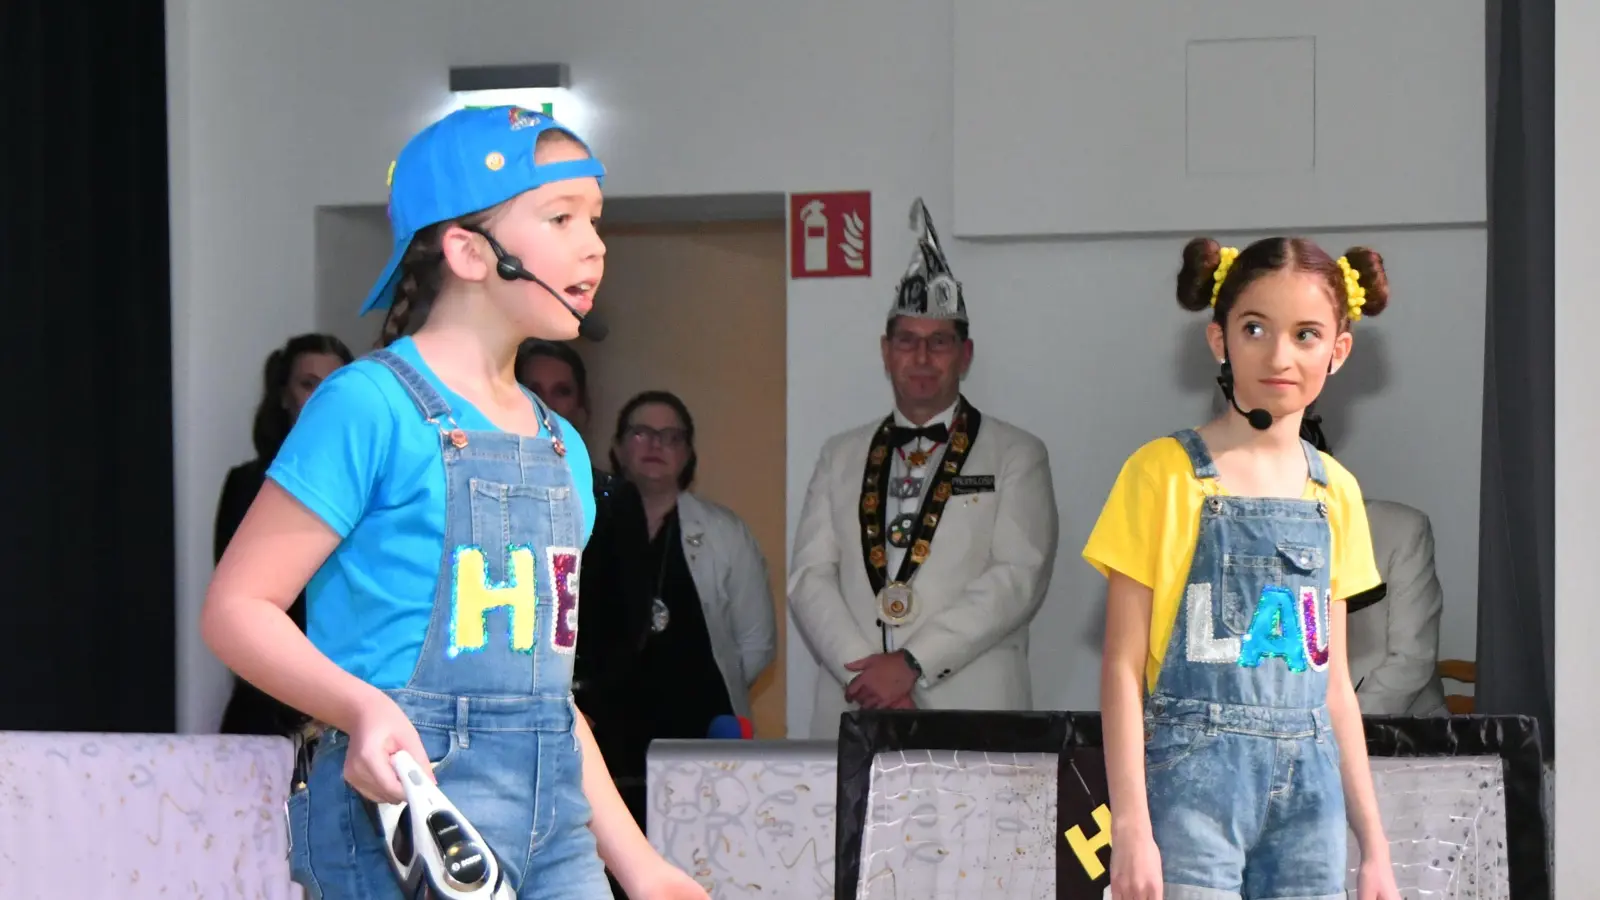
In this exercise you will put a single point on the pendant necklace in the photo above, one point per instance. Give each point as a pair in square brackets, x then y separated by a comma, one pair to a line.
[660, 615]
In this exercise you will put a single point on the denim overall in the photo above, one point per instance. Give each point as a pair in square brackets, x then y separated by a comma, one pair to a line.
[490, 695]
[1241, 765]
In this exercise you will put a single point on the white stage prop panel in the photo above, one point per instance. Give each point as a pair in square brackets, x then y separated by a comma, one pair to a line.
[757, 820]
[128, 816]
[748, 819]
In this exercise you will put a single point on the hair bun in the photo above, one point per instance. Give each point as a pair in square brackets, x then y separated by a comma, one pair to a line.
[1201, 256]
[1368, 263]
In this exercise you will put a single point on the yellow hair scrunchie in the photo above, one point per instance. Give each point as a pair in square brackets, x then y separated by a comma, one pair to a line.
[1225, 262]
[1355, 294]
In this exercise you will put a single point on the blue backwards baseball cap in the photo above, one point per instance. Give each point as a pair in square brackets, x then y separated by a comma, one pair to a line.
[464, 163]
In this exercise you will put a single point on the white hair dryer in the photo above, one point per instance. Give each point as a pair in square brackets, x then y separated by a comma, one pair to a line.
[435, 852]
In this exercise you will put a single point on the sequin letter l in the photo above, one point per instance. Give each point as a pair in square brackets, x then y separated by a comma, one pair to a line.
[1200, 627]
[564, 585]
[475, 596]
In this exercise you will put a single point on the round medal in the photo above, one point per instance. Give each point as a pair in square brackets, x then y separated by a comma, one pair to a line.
[900, 530]
[659, 615]
[896, 605]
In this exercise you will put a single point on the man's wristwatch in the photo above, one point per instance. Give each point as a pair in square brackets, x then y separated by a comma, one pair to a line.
[912, 662]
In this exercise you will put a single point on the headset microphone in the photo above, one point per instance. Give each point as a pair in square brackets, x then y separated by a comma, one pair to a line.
[510, 268]
[589, 326]
[1259, 419]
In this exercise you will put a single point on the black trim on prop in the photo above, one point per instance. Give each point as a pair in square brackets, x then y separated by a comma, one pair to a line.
[865, 734]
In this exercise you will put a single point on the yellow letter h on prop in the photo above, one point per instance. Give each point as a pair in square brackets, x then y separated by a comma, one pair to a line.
[1086, 848]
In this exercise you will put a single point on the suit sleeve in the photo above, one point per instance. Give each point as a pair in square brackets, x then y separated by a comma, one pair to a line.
[1009, 592]
[1415, 601]
[755, 624]
[816, 599]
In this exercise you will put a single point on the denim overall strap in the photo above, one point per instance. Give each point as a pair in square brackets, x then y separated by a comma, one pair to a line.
[1315, 470]
[429, 401]
[1205, 468]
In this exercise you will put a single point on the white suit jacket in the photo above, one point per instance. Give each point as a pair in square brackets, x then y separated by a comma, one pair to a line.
[1394, 643]
[730, 575]
[986, 575]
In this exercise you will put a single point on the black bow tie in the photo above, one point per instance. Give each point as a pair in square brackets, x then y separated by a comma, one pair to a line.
[901, 435]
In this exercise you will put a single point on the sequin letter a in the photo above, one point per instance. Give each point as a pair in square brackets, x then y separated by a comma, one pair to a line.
[1200, 626]
[1275, 631]
[475, 596]
[564, 585]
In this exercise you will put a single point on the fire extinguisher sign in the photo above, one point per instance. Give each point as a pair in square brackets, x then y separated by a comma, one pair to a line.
[830, 235]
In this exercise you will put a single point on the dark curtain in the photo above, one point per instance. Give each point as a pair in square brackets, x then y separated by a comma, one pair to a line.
[1516, 562]
[86, 455]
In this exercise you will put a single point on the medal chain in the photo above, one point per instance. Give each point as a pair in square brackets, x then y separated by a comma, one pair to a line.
[915, 466]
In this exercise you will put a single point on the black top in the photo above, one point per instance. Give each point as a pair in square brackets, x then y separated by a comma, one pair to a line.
[250, 711]
[614, 608]
[678, 689]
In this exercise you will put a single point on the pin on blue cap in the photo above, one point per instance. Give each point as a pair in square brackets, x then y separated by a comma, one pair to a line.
[464, 163]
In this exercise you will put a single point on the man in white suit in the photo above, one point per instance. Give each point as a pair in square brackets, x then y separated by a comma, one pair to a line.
[1394, 643]
[928, 538]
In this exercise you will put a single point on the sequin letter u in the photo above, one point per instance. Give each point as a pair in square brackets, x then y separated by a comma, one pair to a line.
[1314, 625]
[475, 596]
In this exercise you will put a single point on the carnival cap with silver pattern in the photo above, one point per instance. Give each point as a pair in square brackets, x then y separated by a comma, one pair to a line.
[928, 290]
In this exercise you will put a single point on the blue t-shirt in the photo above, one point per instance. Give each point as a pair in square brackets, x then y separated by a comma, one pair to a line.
[363, 459]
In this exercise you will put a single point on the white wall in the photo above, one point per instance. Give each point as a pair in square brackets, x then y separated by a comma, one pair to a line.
[1150, 116]
[1577, 434]
[350, 243]
[280, 109]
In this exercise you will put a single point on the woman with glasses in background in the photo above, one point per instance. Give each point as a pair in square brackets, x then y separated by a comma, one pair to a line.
[712, 629]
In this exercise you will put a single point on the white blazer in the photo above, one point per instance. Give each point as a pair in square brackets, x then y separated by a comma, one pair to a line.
[730, 575]
[985, 577]
[1393, 644]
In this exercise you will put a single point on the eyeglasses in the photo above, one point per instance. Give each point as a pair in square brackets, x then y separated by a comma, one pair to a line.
[668, 437]
[941, 343]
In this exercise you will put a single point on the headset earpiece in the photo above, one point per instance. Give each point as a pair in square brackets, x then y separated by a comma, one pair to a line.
[509, 267]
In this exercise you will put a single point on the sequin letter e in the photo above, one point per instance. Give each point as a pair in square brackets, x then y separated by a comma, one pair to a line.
[475, 596]
[564, 586]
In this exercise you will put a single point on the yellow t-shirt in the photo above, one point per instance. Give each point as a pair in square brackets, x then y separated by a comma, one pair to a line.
[1151, 523]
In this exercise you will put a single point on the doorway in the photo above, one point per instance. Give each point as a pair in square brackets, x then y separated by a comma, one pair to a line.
[701, 309]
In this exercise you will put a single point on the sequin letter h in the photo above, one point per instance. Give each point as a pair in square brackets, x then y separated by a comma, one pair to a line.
[475, 596]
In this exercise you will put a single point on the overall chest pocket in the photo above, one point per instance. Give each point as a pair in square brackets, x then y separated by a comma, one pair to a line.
[504, 515]
[1245, 577]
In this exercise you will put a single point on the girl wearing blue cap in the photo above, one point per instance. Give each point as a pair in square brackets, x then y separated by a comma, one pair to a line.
[435, 513]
